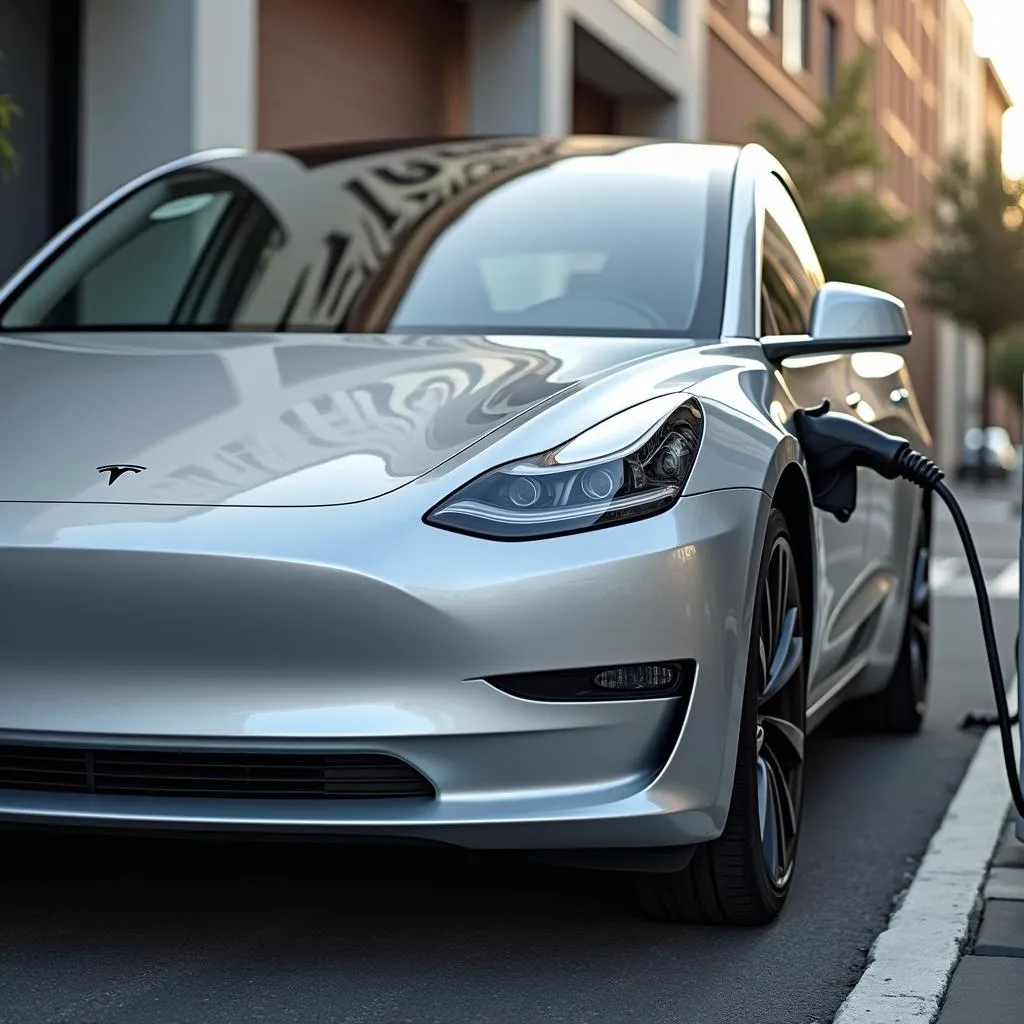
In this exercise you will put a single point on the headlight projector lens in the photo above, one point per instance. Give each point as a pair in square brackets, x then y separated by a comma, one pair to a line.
[524, 492]
[598, 484]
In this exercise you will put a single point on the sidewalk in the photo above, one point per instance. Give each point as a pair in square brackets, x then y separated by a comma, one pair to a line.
[988, 984]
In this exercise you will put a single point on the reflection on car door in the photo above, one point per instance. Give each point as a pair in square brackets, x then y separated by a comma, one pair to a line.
[881, 385]
[791, 276]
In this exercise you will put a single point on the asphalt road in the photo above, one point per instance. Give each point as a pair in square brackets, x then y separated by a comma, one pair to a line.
[127, 931]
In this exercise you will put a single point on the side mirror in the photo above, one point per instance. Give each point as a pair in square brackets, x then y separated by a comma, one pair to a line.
[846, 318]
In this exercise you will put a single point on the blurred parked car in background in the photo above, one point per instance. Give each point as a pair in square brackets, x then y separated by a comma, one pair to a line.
[1000, 454]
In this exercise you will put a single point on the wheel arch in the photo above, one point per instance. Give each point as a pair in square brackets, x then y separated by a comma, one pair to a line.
[792, 497]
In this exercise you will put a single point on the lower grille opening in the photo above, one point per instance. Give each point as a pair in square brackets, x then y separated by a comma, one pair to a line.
[179, 773]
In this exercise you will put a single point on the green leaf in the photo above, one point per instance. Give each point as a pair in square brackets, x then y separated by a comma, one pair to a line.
[1007, 366]
[972, 270]
[9, 110]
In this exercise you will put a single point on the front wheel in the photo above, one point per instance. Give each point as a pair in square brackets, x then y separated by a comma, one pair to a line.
[743, 877]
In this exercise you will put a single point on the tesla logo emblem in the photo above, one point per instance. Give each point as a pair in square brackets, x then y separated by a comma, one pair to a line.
[118, 471]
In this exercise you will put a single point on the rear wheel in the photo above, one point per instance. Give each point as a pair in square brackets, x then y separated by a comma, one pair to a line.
[743, 877]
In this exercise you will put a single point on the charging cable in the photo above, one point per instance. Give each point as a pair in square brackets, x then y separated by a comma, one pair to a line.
[834, 445]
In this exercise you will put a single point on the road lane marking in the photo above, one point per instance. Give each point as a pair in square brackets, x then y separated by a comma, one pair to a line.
[1007, 583]
[943, 571]
[911, 962]
[950, 577]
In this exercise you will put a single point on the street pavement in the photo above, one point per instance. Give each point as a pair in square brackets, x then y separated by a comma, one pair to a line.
[121, 931]
[988, 984]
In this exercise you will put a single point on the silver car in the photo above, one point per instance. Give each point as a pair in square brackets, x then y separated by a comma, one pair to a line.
[448, 491]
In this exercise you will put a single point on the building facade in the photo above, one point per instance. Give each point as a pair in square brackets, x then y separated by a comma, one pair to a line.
[780, 58]
[125, 85]
[974, 103]
[959, 353]
[995, 101]
[773, 58]
[908, 52]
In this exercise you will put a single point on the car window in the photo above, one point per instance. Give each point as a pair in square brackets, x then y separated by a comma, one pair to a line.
[138, 263]
[769, 325]
[790, 314]
[511, 238]
[515, 283]
[791, 271]
[574, 250]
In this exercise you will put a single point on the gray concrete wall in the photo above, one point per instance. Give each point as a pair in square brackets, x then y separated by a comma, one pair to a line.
[522, 64]
[520, 68]
[162, 79]
[136, 89]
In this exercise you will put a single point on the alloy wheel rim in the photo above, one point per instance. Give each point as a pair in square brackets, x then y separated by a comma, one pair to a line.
[780, 714]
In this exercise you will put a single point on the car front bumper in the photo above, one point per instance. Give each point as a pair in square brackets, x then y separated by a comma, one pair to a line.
[273, 630]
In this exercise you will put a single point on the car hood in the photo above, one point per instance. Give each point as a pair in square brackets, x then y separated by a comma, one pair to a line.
[212, 419]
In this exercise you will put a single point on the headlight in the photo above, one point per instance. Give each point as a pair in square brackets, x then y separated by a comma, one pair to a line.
[555, 493]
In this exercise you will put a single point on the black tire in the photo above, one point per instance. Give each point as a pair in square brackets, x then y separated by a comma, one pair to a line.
[736, 879]
[899, 709]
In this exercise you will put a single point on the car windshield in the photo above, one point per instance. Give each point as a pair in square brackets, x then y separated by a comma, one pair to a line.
[630, 241]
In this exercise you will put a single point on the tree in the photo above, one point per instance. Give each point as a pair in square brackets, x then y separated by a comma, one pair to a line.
[1008, 362]
[973, 269]
[832, 163]
[9, 110]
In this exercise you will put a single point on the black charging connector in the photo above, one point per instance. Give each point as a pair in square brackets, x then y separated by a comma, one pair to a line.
[834, 446]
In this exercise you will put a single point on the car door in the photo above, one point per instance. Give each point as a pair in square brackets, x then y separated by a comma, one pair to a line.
[884, 394]
[791, 276]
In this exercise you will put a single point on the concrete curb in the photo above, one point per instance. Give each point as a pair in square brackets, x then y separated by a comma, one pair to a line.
[911, 962]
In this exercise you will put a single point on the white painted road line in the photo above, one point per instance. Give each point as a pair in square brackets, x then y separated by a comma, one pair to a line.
[1007, 583]
[943, 571]
[950, 577]
[912, 960]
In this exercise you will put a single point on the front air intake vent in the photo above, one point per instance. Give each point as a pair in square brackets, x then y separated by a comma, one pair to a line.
[211, 774]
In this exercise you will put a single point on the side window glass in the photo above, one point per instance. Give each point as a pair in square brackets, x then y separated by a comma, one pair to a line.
[790, 284]
[142, 279]
[792, 273]
[136, 264]
[789, 313]
[769, 325]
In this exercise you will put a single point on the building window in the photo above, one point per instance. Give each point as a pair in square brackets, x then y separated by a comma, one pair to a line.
[671, 15]
[830, 54]
[666, 11]
[796, 46]
[761, 16]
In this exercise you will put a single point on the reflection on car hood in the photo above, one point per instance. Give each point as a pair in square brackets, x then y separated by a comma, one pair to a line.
[267, 419]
